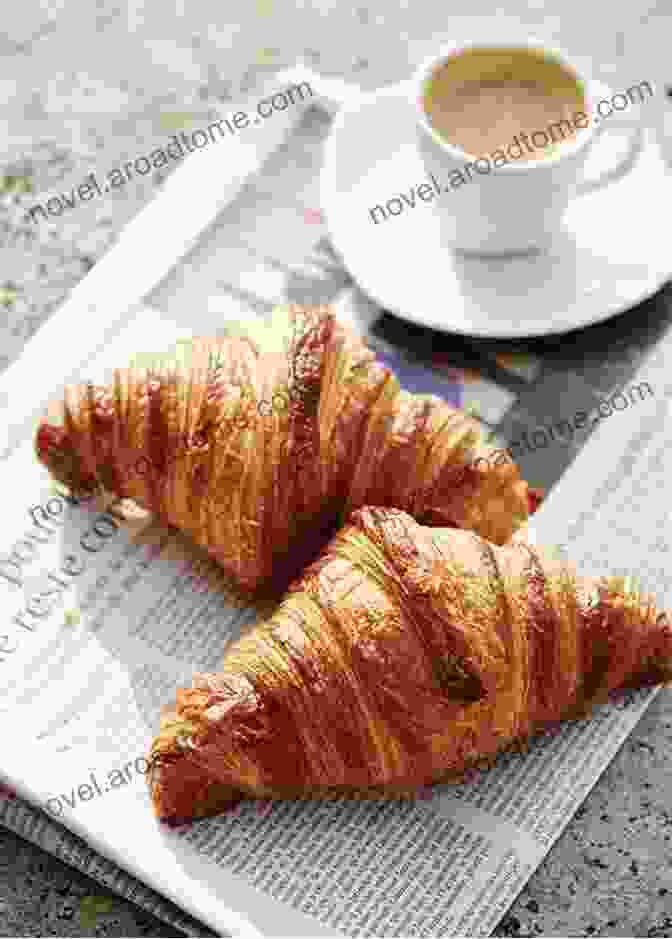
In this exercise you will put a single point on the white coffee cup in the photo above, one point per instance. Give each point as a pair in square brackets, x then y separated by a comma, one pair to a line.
[518, 206]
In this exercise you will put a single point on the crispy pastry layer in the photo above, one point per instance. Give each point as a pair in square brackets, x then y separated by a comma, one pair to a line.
[402, 656]
[207, 444]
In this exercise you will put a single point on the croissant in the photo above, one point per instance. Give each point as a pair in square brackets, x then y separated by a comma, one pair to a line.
[205, 442]
[403, 656]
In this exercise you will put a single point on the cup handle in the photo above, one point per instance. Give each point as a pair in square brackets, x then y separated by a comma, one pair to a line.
[617, 120]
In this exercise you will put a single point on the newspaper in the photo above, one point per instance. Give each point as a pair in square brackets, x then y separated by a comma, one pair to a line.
[129, 612]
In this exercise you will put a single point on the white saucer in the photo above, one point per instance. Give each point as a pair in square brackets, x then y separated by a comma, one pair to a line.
[613, 252]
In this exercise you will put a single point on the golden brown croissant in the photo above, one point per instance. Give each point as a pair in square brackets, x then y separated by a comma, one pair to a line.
[262, 487]
[404, 655]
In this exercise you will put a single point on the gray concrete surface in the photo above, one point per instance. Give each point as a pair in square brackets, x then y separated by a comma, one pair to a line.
[86, 85]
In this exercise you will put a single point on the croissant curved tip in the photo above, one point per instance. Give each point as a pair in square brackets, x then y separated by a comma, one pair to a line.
[50, 439]
[54, 450]
[182, 791]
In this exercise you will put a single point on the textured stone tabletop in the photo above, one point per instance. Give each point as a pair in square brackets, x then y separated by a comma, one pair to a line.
[85, 86]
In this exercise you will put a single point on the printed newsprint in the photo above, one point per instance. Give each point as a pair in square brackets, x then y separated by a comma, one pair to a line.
[104, 619]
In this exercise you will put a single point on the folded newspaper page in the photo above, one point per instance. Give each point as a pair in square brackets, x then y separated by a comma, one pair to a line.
[104, 619]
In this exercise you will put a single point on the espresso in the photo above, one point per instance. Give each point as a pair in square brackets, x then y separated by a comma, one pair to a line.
[485, 115]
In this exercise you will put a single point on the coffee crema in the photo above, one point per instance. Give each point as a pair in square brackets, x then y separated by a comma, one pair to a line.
[483, 99]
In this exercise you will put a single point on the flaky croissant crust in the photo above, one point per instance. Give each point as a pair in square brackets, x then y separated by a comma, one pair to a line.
[403, 655]
[262, 492]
